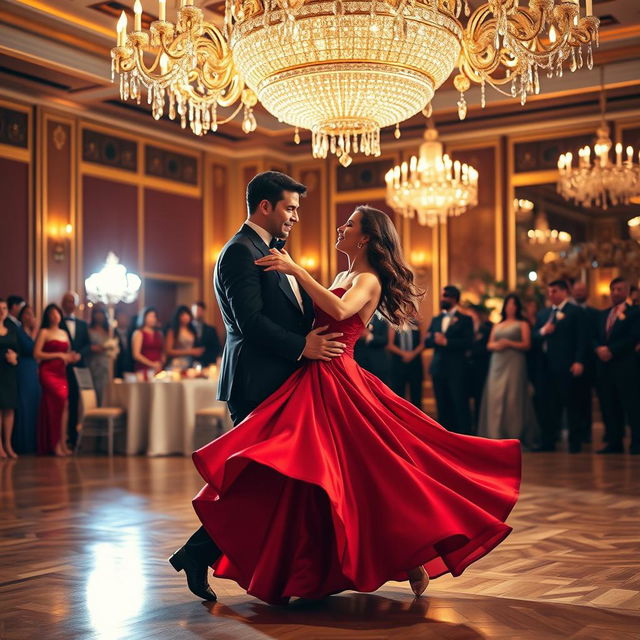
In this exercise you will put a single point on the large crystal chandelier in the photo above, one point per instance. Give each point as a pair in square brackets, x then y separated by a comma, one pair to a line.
[344, 69]
[603, 182]
[431, 186]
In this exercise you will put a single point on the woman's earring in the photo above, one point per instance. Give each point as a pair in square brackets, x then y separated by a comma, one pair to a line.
[360, 245]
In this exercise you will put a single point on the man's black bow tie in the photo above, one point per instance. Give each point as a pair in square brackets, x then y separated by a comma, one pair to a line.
[277, 243]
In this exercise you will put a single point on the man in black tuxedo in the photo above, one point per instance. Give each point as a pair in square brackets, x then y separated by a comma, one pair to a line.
[206, 334]
[586, 382]
[370, 351]
[617, 334]
[268, 321]
[78, 331]
[405, 346]
[559, 335]
[479, 359]
[450, 335]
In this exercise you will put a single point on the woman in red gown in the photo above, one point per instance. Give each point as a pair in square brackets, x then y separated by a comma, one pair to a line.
[334, 482]
[147, 344]
[53, 352]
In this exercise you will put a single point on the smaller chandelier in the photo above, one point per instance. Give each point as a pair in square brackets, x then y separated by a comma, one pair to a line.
[431, 186]
[603, 182]
[634, 228]
[542, 239]
[112, 284]
[192, 69]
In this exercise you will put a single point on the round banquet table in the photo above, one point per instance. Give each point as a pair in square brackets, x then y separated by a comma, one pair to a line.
[161, 416]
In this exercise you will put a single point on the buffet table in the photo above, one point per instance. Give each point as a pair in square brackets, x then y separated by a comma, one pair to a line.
[161, 415]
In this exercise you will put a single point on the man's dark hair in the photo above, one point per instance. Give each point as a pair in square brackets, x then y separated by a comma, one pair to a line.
[201, 304]
[11, 300]
[615, 281]
[451, 291]
[270, 186]
[560, 284]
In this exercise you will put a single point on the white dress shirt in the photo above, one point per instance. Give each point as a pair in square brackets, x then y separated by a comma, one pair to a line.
[446, 319]
[70, 321]
[266, 237]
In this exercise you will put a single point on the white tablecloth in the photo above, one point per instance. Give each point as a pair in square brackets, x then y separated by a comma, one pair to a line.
[161, 416]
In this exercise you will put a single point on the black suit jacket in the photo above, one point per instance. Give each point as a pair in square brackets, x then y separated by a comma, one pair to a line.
[211, 343]
[622, 339]
[568, 343]
[450, 360]
[81, 343]
[373, 355]
[265, 326]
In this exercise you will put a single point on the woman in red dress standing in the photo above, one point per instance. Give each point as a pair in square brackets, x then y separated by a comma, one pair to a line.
[147, 343]
[334, 482]
[53, 352]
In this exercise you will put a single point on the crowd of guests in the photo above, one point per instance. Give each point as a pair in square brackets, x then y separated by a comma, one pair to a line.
[39, 392]
[528, 375]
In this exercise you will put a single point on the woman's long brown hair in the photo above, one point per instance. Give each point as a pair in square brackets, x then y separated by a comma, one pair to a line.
[400, 295]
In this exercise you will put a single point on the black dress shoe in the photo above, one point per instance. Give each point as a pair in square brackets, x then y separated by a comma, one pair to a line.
[634, 449]
[544, 447]
[196, 574]
[610, 449]
[575, 448]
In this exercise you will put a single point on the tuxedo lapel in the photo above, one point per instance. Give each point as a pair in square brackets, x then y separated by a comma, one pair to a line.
[283, 281]
[287, 290]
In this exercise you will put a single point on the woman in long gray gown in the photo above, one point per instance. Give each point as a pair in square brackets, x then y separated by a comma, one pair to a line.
[507, 410]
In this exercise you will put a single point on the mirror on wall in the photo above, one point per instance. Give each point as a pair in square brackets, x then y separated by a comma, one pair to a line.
[556, 238]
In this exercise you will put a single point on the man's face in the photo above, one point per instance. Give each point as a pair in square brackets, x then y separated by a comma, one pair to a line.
[447, 302]
[68, 304]
[197, 311]
[281, 218]
[556, 295]
[619, 292]
[580, 293]
[14, 310]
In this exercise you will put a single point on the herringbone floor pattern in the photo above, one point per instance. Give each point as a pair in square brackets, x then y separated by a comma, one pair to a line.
[84, 542]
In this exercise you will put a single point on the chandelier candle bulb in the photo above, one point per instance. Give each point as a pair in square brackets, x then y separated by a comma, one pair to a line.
[122, 29]
[162, 10]
[137, 11]
[618, 155]
[629, 155]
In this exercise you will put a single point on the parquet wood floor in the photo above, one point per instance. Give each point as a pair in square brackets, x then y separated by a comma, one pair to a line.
[84, 542]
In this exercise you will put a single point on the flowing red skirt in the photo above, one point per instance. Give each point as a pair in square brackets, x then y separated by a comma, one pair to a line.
[334, 482]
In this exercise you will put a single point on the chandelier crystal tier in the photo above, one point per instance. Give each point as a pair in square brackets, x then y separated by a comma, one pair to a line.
[542, 239]
[344, 69]
[190, 69]
[603, 182]
[431, 186]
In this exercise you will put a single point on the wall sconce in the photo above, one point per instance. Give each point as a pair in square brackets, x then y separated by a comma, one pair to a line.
[634, 228]
[310, 263]
[60, 235]
[419, 259]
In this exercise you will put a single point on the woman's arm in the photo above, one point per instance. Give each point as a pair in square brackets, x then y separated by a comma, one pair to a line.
[41, 355]
[492, 344]
[525, 343]
[365, 286]
[136, 349]
[391, 346]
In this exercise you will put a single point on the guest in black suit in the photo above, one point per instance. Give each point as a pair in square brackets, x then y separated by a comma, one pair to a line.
[206, 334]
[479, 358]
[78, 331]
[559, 335]
[268, 320]
[370, 352]
[617, 334]
[124, 361]
[15, 304]
[586, 382]
[451, 336]
[406, 347]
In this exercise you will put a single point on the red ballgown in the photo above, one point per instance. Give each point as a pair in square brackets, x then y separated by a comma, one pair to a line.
[334, 482]
[55, 393]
